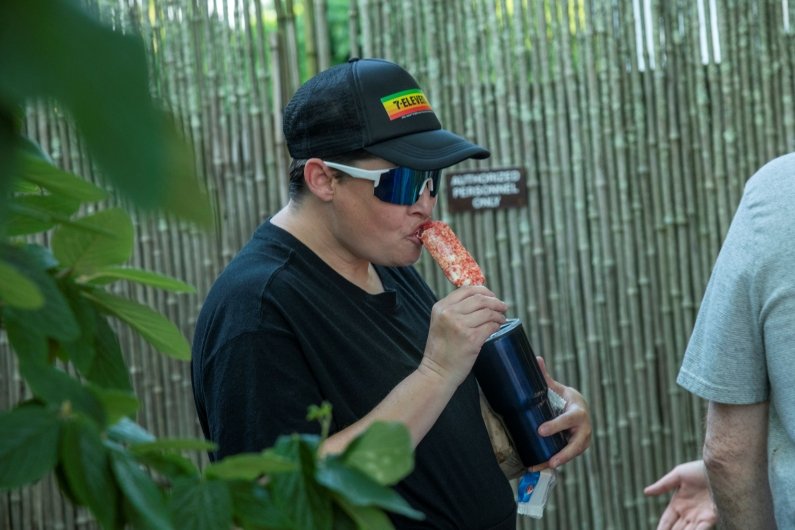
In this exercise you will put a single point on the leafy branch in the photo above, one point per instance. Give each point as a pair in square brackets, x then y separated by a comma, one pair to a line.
[56, 310]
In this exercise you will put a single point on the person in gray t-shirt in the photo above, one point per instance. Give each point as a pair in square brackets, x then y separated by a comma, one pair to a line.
[741, 357]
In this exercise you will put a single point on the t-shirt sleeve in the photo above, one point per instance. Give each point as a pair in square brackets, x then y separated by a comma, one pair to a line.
[725, 357]
[257, 387]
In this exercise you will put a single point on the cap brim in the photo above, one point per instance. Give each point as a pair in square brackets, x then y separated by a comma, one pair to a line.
[435, 149]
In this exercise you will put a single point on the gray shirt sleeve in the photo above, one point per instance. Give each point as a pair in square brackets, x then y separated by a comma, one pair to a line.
[724, 360]
[744, 336]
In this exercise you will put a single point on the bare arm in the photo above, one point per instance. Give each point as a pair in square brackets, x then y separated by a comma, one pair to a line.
[735, 453]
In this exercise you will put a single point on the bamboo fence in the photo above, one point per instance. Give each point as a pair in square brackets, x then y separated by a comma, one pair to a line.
[637, 124]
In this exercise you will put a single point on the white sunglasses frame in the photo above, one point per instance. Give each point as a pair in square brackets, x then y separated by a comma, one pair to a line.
[371, 174]
[368, 174]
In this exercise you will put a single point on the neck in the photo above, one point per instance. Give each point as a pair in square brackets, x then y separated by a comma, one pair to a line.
[311, 228]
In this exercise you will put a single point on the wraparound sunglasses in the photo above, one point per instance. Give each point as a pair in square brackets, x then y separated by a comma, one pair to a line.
[397, 185]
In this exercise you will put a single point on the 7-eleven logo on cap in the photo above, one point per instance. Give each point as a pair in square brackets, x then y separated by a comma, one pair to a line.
[405, 103]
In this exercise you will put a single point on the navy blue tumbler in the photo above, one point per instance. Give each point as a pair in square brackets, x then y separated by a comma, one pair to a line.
[511, 379]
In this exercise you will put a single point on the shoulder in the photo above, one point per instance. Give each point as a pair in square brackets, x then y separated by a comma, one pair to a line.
[238, 296]
[763, 219]
[766, 209]
[251, 269]
[772, 187]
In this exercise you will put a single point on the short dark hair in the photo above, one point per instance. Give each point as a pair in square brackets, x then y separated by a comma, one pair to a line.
[298, 186]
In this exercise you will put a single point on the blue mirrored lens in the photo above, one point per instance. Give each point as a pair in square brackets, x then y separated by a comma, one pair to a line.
[402, 185]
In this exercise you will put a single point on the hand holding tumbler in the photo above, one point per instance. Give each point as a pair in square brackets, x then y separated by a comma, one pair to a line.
[506, 368]
[514, 386]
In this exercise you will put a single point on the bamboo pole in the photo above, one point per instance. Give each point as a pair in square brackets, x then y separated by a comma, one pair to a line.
[167, 233]
[558, 350]
[251, 58]
[320, 27]
[786, 46]
[509, 57]
[270, 182]
[630, 263]
[354, 23]
[769, 71]
[366, 27]
[744, 59]
[594, 39]
[525, 158]
[577, 244]
[615, 273]
[501, 221]
[696, 165]
[614, 388]
[310, 53]
[730, 88]
[279, 99]
[694, 173]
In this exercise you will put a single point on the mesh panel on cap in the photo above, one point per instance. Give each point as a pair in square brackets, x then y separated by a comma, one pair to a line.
[323, 116]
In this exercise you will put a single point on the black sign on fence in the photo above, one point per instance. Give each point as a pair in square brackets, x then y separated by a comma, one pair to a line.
[486, 189]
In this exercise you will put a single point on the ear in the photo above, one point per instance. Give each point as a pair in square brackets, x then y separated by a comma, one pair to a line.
[319, 179]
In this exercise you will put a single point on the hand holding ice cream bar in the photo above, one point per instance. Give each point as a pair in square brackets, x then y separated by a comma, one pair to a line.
[447, 251]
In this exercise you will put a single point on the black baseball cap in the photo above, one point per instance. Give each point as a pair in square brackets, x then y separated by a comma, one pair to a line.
[375, 105]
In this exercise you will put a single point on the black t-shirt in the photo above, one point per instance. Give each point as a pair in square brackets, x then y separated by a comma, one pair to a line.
[280, 330]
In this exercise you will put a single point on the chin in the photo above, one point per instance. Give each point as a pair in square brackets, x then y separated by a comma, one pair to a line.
[411, 260]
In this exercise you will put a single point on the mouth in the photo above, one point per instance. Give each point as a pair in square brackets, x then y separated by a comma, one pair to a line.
[420, 229]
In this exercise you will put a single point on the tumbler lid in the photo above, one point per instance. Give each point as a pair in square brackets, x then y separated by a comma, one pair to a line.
[508, 327]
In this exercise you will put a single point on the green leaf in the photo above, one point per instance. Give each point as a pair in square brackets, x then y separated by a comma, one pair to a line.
[87, 469]
[360, 490]
[82, 247]
[26, 339]
[41, 172]
[253, 506]
[383, 452]
[42, 256]
[127, 431]
[169, 464]
[140, 491]
[31, 214]
[304, 501]
[118, 404]
[96, 353]
[17, 290]
[11, 142]
[80, 351]
[249, 466]
[172, 444]
[154, 327]
[343, 521]
[63, 483]
[111, 274]
[57, 388]
[57, 50]
[54, 318]
[201, 504]
[365, 517]
[108, 368]
[28, 445]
